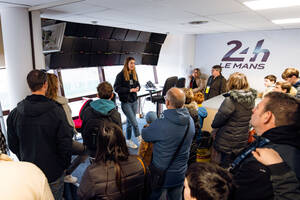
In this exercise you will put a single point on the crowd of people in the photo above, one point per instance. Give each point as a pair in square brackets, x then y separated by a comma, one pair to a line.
[40, 133]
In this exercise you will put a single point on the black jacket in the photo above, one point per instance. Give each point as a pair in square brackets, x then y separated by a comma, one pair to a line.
[253, 179]
[99, 181]
[38, 132]
[232, 121]
[122, 87]
[217, 86]
[285, 183]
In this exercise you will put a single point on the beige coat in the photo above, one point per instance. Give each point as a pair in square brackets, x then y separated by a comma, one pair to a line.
[64, 103]
[22, 181]
[201, 85]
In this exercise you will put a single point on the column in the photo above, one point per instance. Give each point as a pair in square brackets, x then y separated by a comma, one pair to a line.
[17, 51]
[37, 40]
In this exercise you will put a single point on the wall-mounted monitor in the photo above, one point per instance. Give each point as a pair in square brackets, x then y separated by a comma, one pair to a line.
[114, 46]
[137, 57]
[81, 45]
[112, 59]
[80, 60]
[158, 38]
[119, 34]
[99, 46]
[153, 48]
[133, 47]
[149, 60]
[60, 60]
[52, 37]
[132, 35]
[104, 32]
[144, 37]
[67, 45]
[97, 60]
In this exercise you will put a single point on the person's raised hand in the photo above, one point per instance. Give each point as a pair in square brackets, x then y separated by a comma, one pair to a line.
[267, 156]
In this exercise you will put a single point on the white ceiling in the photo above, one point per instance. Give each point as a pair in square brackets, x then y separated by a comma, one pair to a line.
[167, 15]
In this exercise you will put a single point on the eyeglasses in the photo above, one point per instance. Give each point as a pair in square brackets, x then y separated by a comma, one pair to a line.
[43, 70]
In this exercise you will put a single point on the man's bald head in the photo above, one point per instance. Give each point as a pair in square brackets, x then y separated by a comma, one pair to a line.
[176, 97]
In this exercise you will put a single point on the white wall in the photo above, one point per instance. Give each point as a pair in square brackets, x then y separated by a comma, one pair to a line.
[283, 45]
[176, 56]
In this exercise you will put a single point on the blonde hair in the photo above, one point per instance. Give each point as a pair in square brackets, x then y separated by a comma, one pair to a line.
[189, 95]
[289, 72]
[198, 97]
[126, 69]
[237, 81]
[52, 86]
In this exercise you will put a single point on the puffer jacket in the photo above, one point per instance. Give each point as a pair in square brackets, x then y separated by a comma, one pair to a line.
[232, 121]
[99, 181]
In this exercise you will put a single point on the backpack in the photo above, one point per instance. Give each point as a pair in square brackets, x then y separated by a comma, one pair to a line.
[90, 133]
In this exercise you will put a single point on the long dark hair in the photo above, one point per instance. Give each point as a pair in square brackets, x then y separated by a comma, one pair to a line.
[112, 147]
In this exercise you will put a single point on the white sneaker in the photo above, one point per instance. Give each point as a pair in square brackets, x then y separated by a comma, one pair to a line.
[131, 144]
[70, 179]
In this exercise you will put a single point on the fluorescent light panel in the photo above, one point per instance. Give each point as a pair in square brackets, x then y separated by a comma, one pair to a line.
[286, 21]
[269, 4]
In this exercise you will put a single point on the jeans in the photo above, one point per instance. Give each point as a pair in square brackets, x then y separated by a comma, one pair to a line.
[80, 150]
[130, 110]
[174, 193]
[57, 187]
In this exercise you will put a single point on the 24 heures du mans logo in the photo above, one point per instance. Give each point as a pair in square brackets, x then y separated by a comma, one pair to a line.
[241, 62]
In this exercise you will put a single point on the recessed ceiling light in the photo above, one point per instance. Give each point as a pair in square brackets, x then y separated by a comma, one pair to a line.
[94, 22]
[269, 4]
[198, 22]
[286, 21]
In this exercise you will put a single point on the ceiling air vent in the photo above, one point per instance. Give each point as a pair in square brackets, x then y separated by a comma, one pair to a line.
[198, 22]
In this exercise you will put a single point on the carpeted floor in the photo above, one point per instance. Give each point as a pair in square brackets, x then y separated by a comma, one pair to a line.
[81, 168]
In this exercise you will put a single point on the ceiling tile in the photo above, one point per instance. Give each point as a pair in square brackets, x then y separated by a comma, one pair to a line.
[169, 15]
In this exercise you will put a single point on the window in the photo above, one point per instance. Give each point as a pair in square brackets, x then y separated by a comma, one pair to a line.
[145, 73]
[111, 73]
[4, 97]
[80, 82]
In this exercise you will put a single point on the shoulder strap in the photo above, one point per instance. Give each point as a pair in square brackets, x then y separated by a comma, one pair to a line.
[84, 106]
[142, 163]
[259, 143]
[179, 147]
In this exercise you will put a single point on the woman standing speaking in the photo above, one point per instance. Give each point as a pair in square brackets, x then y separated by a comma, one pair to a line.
[127, 86]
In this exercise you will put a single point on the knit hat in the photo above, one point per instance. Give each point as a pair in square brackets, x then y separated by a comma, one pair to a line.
[151, 117]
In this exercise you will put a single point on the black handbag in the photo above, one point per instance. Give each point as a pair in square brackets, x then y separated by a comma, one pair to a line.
[157, 176]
